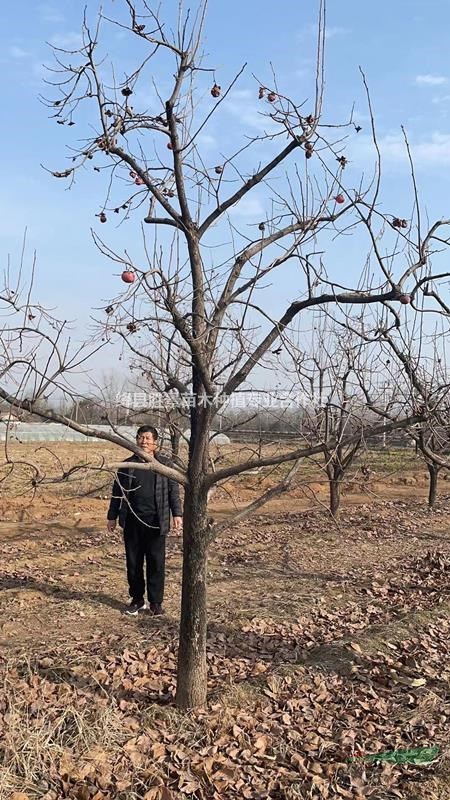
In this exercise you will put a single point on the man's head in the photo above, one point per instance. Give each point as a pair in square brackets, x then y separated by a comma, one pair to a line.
[147, 438]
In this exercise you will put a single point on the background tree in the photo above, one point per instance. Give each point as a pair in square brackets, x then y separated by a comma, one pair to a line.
[335, 407]
[412, 378]
[428, 387]
[433, 444]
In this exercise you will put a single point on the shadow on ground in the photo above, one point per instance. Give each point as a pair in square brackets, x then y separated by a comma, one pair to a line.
[57, 591]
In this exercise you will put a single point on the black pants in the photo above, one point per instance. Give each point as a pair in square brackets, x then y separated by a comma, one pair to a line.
[142, 542]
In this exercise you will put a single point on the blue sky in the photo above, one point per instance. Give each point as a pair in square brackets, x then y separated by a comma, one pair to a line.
[402, 47]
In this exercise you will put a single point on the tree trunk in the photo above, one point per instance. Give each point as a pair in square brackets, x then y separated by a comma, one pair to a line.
[192, 673]
[335, 496]
[433, 471]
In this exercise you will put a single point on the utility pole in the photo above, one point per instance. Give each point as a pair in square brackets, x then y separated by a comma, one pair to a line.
[385, 386]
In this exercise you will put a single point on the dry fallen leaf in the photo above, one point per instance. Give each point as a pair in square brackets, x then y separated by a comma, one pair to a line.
[152, 794]
[83, 793]
[261, 743]
[416, 682]
[303, 726]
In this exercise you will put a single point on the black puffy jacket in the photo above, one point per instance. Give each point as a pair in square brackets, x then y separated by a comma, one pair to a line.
[167, 494]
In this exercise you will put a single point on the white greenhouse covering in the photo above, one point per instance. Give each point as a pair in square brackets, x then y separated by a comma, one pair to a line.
[54, 432]
[215, 436]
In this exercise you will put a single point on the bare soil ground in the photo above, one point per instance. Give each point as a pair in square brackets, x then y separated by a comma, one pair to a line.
[327, 642]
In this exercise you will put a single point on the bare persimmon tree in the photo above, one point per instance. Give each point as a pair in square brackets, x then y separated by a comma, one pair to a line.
[201, 291]
[419, 383]
[325, 371]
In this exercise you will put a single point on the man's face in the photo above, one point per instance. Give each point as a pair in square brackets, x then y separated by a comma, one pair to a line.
[146, 442]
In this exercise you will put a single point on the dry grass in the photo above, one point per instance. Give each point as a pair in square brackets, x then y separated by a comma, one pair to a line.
[40, 741]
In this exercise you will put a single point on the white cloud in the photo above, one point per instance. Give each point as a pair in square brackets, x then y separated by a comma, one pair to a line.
[49, 13]
[442, 99]
[331, 31]
[244, 94]
[248, 208]
[302, 73]
[17, 52]
[360, 116]
[250, 113]
[434, 151]
[430, 80]
[39, 71]
[67, 41]
[207, 142]
[336, 30]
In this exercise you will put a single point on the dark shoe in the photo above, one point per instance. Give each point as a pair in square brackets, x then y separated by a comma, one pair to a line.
[135, 607]
[156, 609]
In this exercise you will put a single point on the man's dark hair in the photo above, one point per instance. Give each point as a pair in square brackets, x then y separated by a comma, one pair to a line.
[147, 429]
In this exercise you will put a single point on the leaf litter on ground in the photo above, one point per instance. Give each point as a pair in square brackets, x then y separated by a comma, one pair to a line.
[294, 704]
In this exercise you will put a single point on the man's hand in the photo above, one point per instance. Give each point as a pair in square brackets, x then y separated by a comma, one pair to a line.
[111, 525]
[177, 524]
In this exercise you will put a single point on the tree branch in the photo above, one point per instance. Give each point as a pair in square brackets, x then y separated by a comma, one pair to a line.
[301, 453]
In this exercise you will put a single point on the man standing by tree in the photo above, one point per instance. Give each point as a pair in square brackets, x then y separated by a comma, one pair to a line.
[143, 500]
